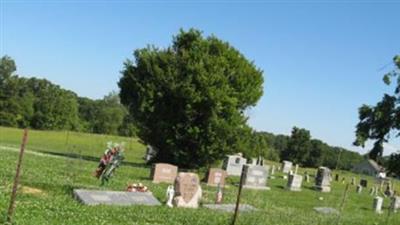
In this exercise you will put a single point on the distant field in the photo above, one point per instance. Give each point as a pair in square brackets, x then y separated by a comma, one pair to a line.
[67, 163]
[73, 143]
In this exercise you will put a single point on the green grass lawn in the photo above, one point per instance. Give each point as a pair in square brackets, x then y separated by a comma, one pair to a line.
[69, 159]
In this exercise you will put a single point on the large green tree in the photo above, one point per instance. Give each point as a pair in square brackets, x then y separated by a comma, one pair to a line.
[378, 122]
[189, 99]
[299, 146]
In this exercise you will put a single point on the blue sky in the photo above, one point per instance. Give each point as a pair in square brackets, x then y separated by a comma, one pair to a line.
[321, 60]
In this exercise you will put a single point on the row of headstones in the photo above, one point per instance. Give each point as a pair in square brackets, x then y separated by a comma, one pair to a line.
[255, 176]
[187, 190]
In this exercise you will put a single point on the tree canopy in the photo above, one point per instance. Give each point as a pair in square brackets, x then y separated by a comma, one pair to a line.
[379, 122]
[189, 100]
[40, 104]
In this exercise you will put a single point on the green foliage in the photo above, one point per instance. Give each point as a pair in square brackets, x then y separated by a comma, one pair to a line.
[7, 68]
[188, 100]
[300, 148]
[40, 104]
[377, 122]
[393, 164]
[104, 116]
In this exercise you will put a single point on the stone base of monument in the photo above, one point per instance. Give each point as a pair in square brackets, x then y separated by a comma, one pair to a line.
[256, 187]
[323, 188]
[230, 207]
[91, 197]
[326, 210]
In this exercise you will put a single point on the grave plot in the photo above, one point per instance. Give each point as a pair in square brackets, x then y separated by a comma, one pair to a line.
[91, 197]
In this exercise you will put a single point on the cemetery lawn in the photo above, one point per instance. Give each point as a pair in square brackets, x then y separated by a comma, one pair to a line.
[56, 163]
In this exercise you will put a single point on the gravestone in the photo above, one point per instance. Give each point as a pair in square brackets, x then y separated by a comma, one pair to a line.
[395, 204]
[286, 166]
[216, 177]
[230, 207]
[233, 165]
[378, 202]
[307, 177]
[296, 169]
[255, 177]
[326, 210]
[323, 179]
[187, 190]
[359, 189]
[364, 183]
[273, 170]
[294, 182]
[91, 197]
[353, 181]
[151, 152]
[253, 161]
[372, 191]
[163, 172]
[389, 190]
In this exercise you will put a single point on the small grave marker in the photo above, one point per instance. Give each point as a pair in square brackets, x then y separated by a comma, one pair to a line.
[294, 182]
[286, 166]
[163, 172]
[230, 207]
[364, 183]
[395, 204]
[378, 202]
[216, 177]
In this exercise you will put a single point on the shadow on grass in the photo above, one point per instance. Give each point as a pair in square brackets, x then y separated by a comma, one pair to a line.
[91, 158]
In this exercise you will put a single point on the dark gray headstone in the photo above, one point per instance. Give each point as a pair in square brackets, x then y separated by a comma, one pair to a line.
[230, 207]
[91, 197]
[323, 179]
[364, 183]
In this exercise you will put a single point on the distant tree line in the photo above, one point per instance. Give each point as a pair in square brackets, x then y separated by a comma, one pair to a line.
[301, 149]
[40, 104]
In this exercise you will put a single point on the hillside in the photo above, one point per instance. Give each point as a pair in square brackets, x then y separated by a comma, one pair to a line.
[58, 162]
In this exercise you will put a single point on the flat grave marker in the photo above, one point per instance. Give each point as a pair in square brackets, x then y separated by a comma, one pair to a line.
[230, 207]
[92, 197]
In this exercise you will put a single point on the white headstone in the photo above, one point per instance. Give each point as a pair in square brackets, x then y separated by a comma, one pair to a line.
[395, 205]
[359, 189]
[255, 177]
[233, 165]
[286, 166]
[378, 202]
[294, 182]
[170, 195]
[273, 170]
